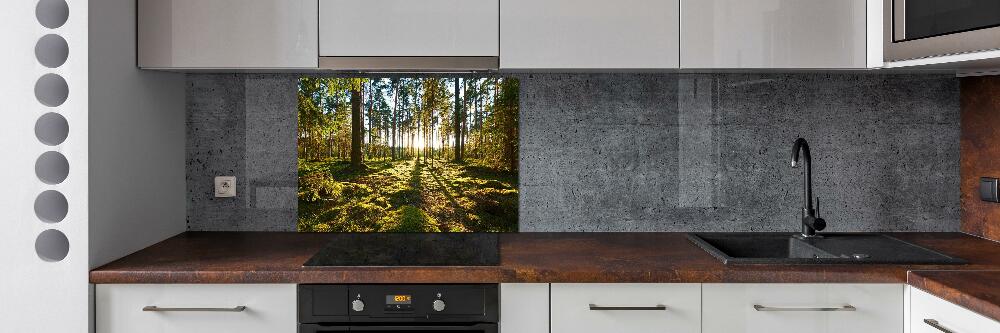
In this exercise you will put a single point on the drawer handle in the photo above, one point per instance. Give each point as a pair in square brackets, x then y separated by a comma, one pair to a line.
[154, 308]
[935, 324]
[759, 307]
[595, 307]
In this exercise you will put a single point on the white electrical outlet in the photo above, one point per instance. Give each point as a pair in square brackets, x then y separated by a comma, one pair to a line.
[225, 187]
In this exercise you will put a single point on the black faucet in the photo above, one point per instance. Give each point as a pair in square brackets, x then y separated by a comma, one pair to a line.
[810, 221]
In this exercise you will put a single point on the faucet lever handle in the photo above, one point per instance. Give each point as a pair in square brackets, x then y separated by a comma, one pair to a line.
[817, 206]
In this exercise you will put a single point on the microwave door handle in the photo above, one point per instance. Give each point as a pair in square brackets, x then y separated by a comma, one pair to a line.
[898, 18]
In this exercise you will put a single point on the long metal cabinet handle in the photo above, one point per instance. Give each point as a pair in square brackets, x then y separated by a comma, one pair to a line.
[657, 307]
[935, 324]
[240, 308]
[759, 307]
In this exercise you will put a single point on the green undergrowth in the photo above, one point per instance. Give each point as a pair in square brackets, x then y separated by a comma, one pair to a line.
[406, 196]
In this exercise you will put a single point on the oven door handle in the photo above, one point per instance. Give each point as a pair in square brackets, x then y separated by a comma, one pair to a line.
[485, 328]
[314, 328]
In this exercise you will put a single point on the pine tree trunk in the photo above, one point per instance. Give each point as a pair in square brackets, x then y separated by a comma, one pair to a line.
[395, 105]
[465, 113]
[457, 115]
[356, 129]
[420, 129]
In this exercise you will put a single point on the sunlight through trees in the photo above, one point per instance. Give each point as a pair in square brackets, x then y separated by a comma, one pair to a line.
[408, 154]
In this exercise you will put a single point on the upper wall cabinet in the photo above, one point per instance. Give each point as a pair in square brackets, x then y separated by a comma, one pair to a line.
[589, 34]
[776, 34]
[408, 34]
[192, 34]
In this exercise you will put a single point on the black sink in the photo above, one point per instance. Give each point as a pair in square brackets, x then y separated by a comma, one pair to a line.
[836, 248]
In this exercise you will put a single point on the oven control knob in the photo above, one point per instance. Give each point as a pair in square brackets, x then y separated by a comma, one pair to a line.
[438, 305]
[358, 305]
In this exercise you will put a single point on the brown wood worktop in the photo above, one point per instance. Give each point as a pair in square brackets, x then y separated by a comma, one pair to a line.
[978, 291]
[267, 257]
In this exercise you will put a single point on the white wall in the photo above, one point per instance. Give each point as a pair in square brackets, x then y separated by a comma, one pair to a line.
[38, 295]
[137, 191]
[127, 192]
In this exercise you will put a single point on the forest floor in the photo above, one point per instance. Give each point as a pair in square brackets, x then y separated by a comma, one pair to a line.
[429, 195]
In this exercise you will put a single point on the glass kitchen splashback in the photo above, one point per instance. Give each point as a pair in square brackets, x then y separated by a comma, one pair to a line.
[408, 154]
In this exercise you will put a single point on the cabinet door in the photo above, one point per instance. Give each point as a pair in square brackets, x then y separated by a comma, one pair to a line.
[227, 34]
[773, 34]
[589, 34]
[189, 308]
[802, 308]
[524, 308]
[625, 308]
[930, 314]
[408, 28]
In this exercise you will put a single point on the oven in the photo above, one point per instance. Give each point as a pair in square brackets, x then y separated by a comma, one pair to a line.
[390, 308]
[916, 29]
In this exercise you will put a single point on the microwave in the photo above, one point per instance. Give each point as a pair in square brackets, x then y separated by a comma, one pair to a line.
[915, 29]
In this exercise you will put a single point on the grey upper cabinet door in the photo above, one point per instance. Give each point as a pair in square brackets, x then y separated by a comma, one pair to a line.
[589, 34]
[222, 34]
[409, 28]
[774, 34]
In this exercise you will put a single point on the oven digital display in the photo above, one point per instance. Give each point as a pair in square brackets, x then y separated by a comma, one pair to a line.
[398, 299]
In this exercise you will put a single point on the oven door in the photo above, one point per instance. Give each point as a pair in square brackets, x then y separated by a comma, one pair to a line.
[927, 28]
[475, 328]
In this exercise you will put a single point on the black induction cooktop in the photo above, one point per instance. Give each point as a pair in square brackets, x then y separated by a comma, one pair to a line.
[409, 249]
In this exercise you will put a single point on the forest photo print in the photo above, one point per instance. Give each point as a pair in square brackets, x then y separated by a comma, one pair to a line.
[431, 154]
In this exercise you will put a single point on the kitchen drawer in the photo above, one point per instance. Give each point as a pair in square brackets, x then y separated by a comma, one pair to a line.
[802, 308]
[625, 308]
[270, 308]
[948, 316]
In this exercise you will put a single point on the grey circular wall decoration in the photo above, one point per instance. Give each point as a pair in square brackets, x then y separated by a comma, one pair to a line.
[51, 51]
[51, 206]
[51, 90]
[52, 245]
[51, 129]
[52, 167]
[52, 13]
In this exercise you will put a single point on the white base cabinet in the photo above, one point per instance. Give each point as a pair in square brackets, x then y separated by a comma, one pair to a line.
[802, 308]
[524, 307]
[569, 308]
[930, 314]
[625, 308]
[196, 308]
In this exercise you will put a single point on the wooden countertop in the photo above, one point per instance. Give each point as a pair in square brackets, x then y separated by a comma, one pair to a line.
[268, 257]
[974, 290]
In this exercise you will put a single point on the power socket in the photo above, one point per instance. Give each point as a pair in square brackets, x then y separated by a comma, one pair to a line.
[988, 189]
[225, 187]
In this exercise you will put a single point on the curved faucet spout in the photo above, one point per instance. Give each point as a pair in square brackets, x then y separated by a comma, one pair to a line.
[810, 222]
[800, 144]
[807, 188]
